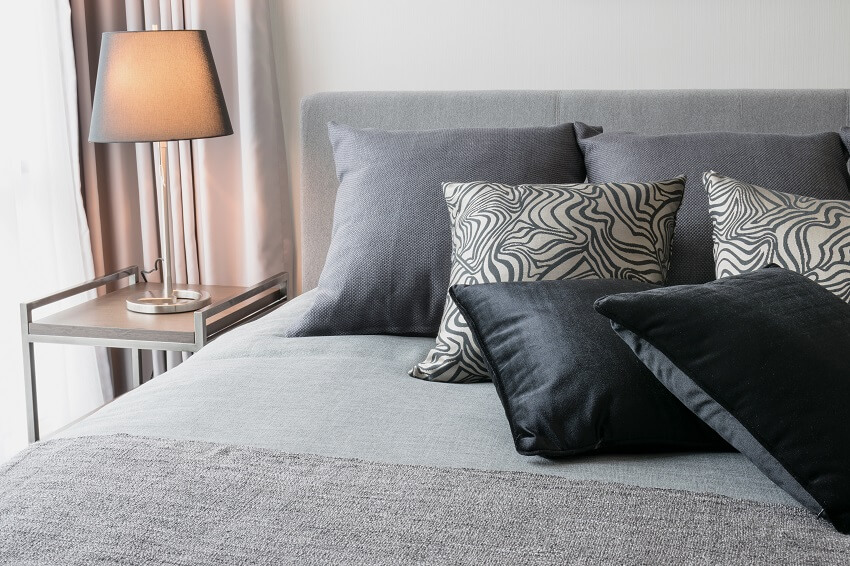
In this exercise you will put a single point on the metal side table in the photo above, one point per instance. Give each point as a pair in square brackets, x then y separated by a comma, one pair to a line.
[105, 321]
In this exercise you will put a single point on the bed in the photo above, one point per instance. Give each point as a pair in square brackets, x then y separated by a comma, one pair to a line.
[267, 449]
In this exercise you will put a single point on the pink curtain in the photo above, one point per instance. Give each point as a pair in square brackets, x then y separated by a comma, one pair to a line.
[231, 217]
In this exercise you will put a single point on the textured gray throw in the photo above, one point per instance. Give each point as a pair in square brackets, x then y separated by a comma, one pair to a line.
[135, 500]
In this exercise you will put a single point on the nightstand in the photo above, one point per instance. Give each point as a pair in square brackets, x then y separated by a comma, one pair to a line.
[105, 321]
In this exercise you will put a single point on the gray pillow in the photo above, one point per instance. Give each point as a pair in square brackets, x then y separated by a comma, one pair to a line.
[778, 161]
[387, 268]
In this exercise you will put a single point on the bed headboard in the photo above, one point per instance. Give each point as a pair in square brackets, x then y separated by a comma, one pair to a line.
[786, 111]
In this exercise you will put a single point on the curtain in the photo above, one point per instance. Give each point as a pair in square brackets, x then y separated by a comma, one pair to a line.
[230, 196]
[43, 230]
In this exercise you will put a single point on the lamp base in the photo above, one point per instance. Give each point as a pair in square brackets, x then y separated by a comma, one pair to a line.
[181, 300]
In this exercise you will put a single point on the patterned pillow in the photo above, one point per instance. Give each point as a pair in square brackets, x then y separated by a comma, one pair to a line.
[503, 233]
[754, 227]
[771, 160]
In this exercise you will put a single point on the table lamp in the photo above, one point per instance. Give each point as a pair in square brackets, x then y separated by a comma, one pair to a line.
[159, 86]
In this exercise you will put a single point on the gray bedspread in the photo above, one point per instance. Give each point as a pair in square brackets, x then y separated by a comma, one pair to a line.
[136, 500]
[350, 396]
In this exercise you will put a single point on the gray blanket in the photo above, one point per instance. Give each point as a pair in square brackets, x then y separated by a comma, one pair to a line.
[351, 397]
[137, 500]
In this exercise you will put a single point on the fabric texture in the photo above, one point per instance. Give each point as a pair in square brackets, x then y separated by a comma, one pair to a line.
[350, 397]
[755, 226]
[777, 161]
[231, 215]
[388, 266]
[132, 500]
[43, 232]
[784, 111]
[761, 358]
[567, 382]
[502, 233]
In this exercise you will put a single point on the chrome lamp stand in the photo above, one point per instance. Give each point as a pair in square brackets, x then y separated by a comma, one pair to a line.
[171, 300]
[142, 96]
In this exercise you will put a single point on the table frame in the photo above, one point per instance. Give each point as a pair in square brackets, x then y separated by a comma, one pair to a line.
[252, 303]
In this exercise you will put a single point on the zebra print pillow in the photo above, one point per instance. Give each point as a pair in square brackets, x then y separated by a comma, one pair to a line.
[754, 227]
[503, 233]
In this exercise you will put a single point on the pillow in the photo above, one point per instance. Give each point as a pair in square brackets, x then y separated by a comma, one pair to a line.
[761, 358]
[777, 161]
[754, 226]
[503, 233]
[387, 268]
[568, 384]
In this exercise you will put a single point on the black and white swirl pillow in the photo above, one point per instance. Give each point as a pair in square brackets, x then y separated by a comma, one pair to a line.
[754, 227]
[503, 233]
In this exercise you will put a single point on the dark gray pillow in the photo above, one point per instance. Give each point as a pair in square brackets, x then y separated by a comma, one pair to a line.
[568, 384]
[778, 161]
[387, 269]
[762, 359]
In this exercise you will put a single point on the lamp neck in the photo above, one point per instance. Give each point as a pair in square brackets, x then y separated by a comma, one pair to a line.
[164, 213]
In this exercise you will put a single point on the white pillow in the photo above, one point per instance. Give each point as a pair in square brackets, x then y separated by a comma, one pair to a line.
[754, 227]
[503, 233]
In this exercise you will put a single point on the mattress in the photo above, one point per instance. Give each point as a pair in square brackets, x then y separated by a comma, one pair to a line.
[351, 397]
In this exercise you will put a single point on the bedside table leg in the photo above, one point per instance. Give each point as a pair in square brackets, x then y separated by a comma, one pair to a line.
[136, 357]
[32, 403]
[29, 373]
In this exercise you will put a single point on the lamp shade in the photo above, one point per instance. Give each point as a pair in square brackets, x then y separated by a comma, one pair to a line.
[157, 86]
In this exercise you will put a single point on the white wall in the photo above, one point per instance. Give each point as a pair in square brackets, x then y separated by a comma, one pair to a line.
[324, 45]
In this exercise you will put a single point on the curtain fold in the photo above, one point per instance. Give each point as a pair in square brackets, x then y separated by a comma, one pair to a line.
[232, 224]
[43, 228]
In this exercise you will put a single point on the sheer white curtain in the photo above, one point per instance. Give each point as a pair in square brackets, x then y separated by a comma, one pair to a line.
[44, 239]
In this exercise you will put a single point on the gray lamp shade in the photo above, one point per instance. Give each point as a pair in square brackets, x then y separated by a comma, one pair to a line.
[157, 86]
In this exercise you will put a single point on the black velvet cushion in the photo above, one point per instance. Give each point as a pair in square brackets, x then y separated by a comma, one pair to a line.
[764, 358]
[567, 382]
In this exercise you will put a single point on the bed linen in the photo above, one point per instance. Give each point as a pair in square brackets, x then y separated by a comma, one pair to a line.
[350, 397]
[140, 500]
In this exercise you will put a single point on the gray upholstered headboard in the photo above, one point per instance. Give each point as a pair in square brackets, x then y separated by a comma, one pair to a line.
[788, 111]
